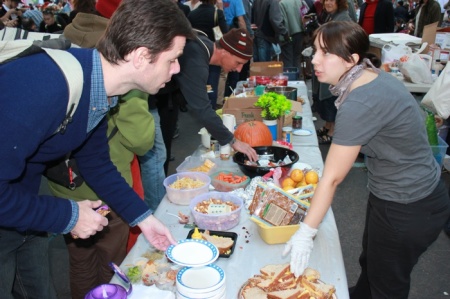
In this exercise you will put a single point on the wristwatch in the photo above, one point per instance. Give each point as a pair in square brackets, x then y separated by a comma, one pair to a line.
[232, 141]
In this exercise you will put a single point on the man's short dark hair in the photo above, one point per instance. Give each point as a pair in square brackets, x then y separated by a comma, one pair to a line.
[143, 23]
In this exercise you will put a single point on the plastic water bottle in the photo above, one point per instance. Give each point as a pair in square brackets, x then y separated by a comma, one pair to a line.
[431, 129]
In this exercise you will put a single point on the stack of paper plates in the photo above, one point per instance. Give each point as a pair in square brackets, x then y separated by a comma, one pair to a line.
[201, 282]
[199, 278]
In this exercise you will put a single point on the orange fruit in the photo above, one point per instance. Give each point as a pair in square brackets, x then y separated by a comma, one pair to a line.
[287, 188]
[312, 177]
[302, 183]
[296, 175]
[287, 182]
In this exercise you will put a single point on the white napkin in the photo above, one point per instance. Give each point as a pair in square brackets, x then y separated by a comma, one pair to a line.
[142, 291]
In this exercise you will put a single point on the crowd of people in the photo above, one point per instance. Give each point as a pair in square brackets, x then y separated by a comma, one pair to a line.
[143, 61]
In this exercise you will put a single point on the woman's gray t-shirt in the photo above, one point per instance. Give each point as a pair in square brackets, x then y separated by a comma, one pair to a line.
[385, 119]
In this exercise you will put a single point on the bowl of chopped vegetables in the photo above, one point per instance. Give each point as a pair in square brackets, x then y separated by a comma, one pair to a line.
[269, 157]
[182, 187]
[227, 181]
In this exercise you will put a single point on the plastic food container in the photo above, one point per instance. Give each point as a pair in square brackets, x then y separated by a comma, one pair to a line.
[280, 80]
[222, 186]
[192, 162]
[217, 222]
[291, 72]
[184, 196]
[439, 151]
[277, 234]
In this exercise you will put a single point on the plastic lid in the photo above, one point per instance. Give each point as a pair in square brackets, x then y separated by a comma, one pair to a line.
[122, 276]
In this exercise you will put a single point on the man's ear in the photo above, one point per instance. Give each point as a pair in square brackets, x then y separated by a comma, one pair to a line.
[140, 57]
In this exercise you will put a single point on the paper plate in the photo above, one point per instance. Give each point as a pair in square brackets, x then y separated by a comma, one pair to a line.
[302, 132]
[192, 253]
[201, 280]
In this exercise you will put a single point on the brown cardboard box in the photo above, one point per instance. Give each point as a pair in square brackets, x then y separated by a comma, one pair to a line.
[244, 110]
[267, 68]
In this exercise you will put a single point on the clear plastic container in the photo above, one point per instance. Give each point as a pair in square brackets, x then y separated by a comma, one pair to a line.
[184, 196]
[194, 162]
[218, 222]
[439, 151]
[222, 186]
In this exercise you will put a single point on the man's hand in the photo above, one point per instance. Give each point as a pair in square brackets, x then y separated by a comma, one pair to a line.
[89, 222]
[246, 149]
[156, 233]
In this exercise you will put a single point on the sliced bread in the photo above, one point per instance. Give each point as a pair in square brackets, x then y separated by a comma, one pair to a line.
[296, 293]
[224, 244]
[254, 293]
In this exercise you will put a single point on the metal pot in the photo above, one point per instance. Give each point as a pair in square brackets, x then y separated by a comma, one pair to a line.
[289, 92]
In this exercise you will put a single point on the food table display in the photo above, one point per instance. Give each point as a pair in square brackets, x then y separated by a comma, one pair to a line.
[251, 253]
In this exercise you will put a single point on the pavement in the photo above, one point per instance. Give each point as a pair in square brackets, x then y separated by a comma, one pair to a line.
[430, 278]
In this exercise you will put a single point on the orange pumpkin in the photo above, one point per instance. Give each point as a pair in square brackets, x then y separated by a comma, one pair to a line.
[255, 133]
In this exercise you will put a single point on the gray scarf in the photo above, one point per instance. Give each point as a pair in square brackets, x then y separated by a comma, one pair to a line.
[342, 88]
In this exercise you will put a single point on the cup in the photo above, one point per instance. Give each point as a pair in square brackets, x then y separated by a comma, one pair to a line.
[259, 90]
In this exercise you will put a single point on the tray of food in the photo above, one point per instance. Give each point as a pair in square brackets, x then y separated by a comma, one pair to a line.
[276, 281]
[224, 241]
[153, 268]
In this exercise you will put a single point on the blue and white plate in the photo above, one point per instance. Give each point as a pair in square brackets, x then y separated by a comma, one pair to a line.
[192, 253]
[209, 281]
[302, 132]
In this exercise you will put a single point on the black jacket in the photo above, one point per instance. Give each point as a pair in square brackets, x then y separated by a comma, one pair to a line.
[384, 17]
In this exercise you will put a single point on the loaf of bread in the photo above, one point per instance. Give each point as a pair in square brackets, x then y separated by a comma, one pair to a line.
[278, 282]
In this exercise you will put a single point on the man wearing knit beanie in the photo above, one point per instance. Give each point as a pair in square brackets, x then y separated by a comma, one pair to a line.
[238, 43]
[231, 52]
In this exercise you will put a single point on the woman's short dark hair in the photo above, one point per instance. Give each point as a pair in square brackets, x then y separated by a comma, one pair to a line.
[143, 23]
[86, 6]
[341, 4]
[344, 38]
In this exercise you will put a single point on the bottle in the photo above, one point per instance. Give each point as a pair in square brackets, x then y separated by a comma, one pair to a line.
[431, 129]
[436, 67]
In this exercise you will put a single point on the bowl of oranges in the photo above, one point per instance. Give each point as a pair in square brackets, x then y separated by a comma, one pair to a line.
[300, 175]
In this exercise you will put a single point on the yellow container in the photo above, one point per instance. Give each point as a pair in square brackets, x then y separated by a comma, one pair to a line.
[275, 234]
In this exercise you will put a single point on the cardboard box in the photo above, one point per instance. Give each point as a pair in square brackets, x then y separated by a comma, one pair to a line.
[244, 110]
[267, 68]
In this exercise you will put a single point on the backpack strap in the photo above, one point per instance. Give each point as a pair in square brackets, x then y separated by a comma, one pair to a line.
[67, 63]
[199, 32]
[73, 73]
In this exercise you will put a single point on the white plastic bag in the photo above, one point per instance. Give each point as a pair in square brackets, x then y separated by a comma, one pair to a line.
[415, 70]
[391, 52]
[437, 99]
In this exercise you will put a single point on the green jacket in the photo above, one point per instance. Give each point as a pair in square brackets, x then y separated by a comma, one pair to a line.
[135, 135]
[290, 11]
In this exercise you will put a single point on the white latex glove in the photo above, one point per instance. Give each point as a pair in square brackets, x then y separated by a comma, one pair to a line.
[300, 245]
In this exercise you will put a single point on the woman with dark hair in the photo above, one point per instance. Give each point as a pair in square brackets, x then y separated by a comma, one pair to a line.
[408, 203]
[336, 10]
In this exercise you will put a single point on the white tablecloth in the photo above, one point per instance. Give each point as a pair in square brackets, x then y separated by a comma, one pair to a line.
[251, 252]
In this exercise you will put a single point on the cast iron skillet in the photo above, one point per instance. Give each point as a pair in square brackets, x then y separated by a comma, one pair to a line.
[278, 152]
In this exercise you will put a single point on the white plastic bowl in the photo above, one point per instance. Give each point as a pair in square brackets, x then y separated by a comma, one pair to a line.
[184, 196]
